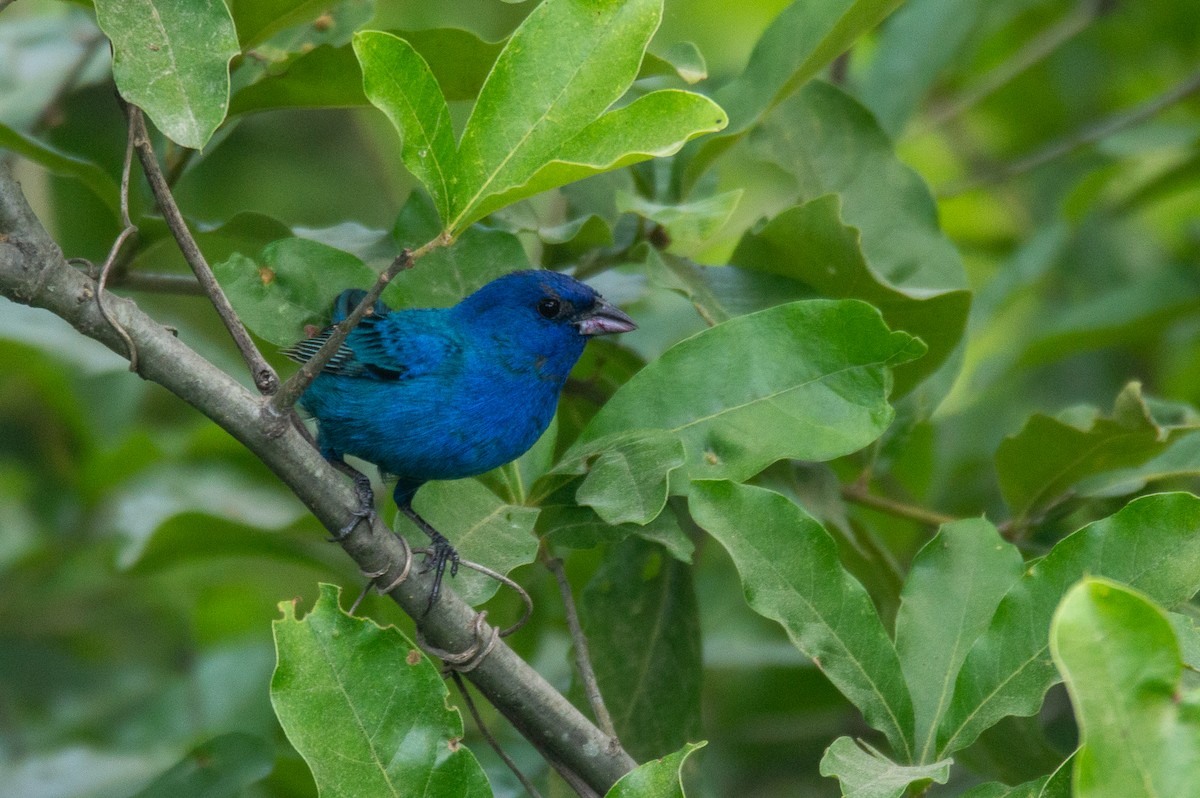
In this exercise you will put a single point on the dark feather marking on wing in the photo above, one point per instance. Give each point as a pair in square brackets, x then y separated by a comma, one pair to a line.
[344, 361]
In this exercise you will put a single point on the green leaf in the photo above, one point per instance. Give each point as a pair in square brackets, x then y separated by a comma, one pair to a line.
[907, 61]
[1053, 785]
[811, 244]
[952, 590]
[1187, 632]
[721, 292]
[246, 232]
[98, 181]
[459, 59]
[1151, 545]
[643, 630]
[397, 81]
[784, 373]
[806, 36]
[866, 773]
[1048, 456]
[447, 274]
[324, 77]
[791, 574]
[171, 59]
[366, 708]
[689, 224]
[258, 20]
[681, 58]
[661, 778]
[1121, 663]
[291, 283]
[1181, 458]
[329, 76]
[561, 69]
[882, 198]
[482, 527]
[627, 474]
[580, 528]
[219, 768]
[653, 126]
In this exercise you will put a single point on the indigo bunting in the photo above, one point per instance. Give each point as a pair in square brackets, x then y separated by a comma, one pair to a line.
[451, 392]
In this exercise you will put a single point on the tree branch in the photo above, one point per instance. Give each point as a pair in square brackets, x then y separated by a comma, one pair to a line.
[33, 272]
[264, 376]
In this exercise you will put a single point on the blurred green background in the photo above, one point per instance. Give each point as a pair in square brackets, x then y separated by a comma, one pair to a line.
[143, 552]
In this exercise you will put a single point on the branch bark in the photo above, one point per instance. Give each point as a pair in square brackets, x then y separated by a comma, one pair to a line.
[33, 272]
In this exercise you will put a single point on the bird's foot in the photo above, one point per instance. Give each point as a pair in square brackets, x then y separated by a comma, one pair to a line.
[366, 507]
[437, 555]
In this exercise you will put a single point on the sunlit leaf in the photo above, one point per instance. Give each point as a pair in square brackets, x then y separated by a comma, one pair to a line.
[654, 125]
[1121, 662]
[397, 80]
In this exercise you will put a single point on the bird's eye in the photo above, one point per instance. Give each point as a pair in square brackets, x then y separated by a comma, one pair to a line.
[549, 308]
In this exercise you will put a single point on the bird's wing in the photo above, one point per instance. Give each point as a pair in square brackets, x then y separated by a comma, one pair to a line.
[386, 347]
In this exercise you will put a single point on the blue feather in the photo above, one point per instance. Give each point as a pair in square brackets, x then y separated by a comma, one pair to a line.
[452, 392]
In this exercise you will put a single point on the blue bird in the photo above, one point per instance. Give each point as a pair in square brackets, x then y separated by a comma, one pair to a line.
[451, 392]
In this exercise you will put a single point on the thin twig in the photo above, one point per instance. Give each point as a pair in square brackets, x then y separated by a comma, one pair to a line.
[128, 229]
[290, 391]
[1088, 135]
[487, 735]
[264, 376]
[860, 495]
[158, 283]
[583, 660]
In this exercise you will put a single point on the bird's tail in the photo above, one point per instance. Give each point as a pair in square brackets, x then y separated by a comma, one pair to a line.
[349, 299]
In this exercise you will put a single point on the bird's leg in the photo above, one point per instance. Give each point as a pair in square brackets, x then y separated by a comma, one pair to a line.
[440, 552]
[366, 497]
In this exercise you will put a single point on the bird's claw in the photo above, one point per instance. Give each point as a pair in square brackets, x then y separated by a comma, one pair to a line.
[365, 511]
[439, 553]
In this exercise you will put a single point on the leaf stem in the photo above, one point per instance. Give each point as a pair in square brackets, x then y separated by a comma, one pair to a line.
[859, 494]
[264, 376]
[158, 283]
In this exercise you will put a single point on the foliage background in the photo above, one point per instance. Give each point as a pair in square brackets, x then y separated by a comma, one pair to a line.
[143, 552]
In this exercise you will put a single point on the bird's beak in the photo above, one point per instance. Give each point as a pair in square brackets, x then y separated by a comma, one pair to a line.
[604, 319]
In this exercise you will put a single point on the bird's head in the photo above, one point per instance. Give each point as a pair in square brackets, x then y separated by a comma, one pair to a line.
[547, 314]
